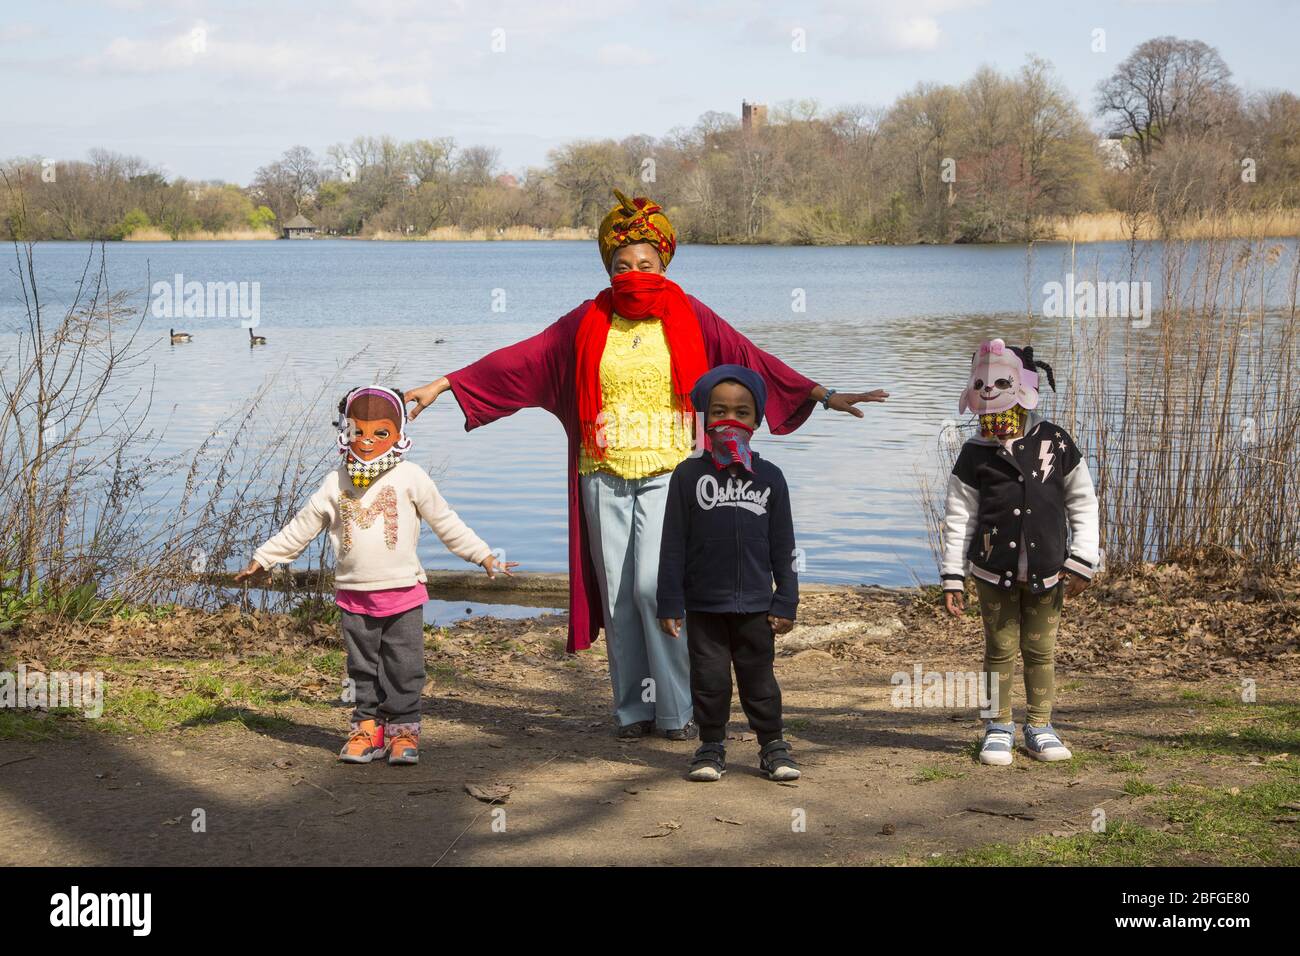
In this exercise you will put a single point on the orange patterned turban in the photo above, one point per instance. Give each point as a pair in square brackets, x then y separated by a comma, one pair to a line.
[632, 221]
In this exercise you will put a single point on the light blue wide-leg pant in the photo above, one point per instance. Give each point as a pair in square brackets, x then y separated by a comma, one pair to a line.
[649, 670]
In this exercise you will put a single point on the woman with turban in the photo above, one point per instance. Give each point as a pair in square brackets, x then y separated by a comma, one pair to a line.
[617, 372]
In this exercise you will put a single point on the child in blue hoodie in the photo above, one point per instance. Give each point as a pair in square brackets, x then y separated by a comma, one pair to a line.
[727, 536]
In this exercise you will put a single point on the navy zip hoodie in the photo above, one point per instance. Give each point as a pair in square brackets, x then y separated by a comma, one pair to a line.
[727, 533]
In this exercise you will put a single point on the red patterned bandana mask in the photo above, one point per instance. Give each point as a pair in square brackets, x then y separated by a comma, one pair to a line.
[729, 441]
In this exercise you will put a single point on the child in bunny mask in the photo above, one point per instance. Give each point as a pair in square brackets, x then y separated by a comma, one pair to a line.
[372, 505]
[1022, 517]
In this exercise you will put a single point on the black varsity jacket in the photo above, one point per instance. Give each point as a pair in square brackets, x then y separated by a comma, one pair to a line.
[1029, 513]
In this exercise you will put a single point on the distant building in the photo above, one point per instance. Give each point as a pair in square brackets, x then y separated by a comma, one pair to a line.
[752, 115]
[1113, 153]
[507, 180]
[299, 227]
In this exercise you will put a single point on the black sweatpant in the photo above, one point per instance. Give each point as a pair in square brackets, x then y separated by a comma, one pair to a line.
[716, 642]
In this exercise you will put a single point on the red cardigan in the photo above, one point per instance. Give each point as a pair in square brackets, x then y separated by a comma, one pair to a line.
[538, 373]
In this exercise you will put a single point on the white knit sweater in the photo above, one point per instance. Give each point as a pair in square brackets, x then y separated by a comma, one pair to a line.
[375, 534]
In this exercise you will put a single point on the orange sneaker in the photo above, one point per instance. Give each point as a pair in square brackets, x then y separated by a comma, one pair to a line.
[365, 743]
[403, 745]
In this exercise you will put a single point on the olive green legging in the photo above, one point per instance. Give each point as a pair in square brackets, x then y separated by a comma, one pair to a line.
[1018, 618]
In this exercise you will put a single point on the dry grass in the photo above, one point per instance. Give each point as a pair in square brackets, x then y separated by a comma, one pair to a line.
[81, 476]
[1191, 422]
[1115, 226]
[154, 234]
[507, 234]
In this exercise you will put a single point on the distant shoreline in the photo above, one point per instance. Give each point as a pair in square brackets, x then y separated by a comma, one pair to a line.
[1082, 228]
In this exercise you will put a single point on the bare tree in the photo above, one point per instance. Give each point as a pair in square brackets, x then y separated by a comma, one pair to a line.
[1166, 83]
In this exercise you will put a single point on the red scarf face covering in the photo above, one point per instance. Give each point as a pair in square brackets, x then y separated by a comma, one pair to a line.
[635, 296]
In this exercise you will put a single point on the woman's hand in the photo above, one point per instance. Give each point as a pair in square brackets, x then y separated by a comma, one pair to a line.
[418, 399]
[252, 572]
[780, 625]
[671, 626]
[848, 401]
[491, 565]
[955, 602]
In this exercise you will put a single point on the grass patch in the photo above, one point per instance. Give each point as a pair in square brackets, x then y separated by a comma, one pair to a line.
[31, 726]
[1238, 729]
[331, 661]
[443, 672]
[201, 694]
[1137, 787]
[930, 774]
[1206, 826]
[1126, 763]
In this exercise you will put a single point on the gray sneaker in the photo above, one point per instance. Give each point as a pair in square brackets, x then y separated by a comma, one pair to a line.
[999, 741]
[1043, 744]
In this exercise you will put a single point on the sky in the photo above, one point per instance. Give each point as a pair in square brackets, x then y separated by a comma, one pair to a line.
[212, 90]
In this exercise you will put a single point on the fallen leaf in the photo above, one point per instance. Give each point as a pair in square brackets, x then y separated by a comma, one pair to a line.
[490, 792]
[888, 829]
[734, 823]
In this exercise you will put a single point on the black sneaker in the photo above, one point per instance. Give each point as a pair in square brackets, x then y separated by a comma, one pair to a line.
[775, 761]
[709, 763]
[689, 732]
[634, 731]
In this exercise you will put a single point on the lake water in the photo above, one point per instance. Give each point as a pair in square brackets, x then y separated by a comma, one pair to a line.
[900, 318]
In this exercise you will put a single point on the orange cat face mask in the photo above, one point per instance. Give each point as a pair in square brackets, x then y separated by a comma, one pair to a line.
[372, 434]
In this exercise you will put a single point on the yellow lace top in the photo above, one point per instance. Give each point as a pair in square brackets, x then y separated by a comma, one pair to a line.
[644, 431]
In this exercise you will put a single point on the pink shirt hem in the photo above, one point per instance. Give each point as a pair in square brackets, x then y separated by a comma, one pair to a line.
[382, 603]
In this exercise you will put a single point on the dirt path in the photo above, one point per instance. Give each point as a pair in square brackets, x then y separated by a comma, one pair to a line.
[505, 705]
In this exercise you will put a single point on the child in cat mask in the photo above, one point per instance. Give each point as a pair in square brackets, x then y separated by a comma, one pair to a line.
[372, 505]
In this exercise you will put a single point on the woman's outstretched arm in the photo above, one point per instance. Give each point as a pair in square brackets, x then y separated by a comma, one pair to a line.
[533, 373]
[790, 395]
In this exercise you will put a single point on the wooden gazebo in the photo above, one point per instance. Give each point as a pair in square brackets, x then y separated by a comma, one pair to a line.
[299, 227]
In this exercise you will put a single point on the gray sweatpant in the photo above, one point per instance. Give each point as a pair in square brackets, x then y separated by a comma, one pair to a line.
[386, 664]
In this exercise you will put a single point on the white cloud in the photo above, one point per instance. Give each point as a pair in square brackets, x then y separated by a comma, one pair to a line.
[894, 33]
[337, 64]
[389, 99]
[858, 28]
[18, 32]
[624, 54]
